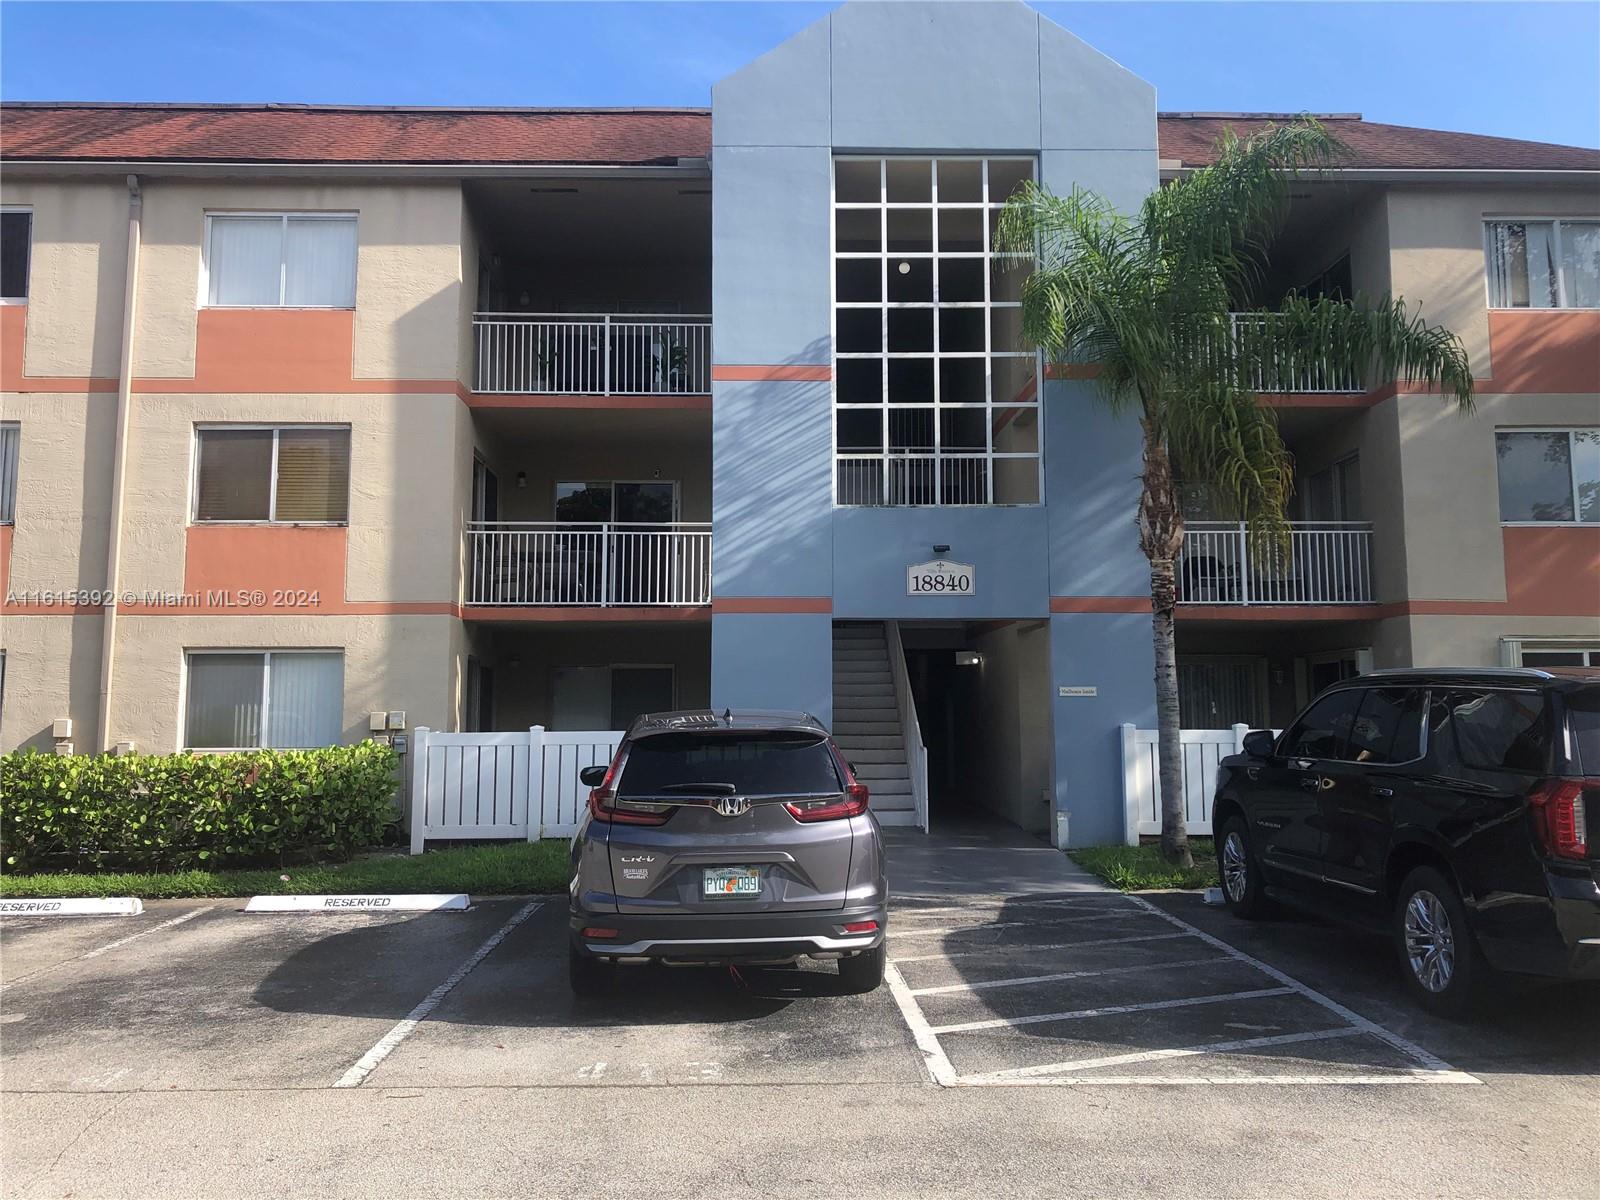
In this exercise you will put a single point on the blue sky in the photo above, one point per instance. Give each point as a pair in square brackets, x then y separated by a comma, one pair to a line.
[1529, 70]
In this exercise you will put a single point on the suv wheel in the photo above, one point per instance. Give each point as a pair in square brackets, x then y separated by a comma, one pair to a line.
[1241, 874]
[1438, 958]
[587, 976]
[863, 972]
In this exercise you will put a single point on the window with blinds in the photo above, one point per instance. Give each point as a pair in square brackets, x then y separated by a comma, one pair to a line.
[287, 260]
[10, 439]
[242, 700]
[293, 474]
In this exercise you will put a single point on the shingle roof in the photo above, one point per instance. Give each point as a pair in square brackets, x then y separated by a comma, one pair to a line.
[303, 133]
[299, 134]
[1192, 138]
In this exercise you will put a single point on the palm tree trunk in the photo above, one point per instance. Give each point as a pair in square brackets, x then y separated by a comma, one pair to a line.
[1161, 538]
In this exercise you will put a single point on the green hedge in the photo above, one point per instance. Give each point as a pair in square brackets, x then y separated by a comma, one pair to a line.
[179, 810]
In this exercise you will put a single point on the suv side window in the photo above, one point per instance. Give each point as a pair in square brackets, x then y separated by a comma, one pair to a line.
[1325, 727]
[1388, 729]
[1499, 730]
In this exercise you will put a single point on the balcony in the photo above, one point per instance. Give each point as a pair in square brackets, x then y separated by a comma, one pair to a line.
[592, 354]
[1329, 562]
[599, 564]
[1300, 372]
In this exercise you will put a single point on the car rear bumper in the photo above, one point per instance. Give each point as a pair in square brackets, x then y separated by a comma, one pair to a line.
[1562, 941]
[697, 937]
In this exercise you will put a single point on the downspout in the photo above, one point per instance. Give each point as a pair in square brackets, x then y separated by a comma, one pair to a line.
[119, 458]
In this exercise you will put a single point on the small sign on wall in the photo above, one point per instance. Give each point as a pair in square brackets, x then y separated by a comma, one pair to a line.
[1078, 689]
[940, 577]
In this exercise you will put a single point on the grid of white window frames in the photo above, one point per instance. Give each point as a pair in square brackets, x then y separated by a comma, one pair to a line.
[1543, 264]
[935, 394]
[296, 474]
[289, 260]
[1548, 476]
[1548, 655]
[241, 700]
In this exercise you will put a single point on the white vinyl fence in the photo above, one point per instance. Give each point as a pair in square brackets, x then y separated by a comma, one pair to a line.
[519, 785]
[1203, 749]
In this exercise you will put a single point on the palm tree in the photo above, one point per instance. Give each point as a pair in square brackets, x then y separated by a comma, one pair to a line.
[1147, 299]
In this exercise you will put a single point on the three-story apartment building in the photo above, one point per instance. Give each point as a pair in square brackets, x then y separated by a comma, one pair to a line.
[498, 418]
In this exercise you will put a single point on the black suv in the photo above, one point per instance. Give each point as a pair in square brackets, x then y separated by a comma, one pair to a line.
[1457, 809]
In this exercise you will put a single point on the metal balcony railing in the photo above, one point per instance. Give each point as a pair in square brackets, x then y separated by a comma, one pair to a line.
[592, 354]
[1298, 370]
[1329, 562]
[601, 564]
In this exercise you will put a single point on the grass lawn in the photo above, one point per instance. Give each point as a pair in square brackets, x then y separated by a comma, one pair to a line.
[1137, 868]
[480, 870]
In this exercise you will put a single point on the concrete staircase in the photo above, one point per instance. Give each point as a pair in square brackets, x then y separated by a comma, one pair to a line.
[866, 719]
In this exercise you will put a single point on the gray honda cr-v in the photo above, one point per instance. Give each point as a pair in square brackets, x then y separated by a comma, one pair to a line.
[738, 837]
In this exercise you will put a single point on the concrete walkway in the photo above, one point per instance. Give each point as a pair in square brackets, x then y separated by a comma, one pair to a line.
[979, 858]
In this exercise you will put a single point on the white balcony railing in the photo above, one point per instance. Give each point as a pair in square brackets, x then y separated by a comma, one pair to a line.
[1298, 371]
[592, 355]
[591, 564]
[1329, 562]
[904, 477]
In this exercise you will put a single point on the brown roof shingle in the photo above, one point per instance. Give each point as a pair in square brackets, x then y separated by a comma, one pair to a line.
[269, 134]
[301, 134]
[1193, 139]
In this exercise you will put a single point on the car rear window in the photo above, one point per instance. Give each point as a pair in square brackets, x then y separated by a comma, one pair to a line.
[752, 763]
[1500, 730]
[1583, 729]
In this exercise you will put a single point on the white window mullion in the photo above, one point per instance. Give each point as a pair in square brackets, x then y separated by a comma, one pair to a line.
[272, 479]
[988, 349]
[263, 737]
[885, 449]
[1572, 471]
[283, 261]
[933, 283]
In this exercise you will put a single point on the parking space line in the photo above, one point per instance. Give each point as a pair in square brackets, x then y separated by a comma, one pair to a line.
[1110, 1010]
[1045, 902]
[1428, 1060]
[945, 989]
[1117, 941]
[385, 1046]
[110, 946]
[1117, 1060]
[1122, 915]
[933, 1055]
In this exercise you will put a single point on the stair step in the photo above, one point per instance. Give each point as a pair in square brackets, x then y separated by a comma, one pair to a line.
[851, 688]
[853, 650]
[861, 755]
[878, 679]
[871, 637]
[873, 773]
[889, 787]
[874, 716]
[860, 742]
[847, 727]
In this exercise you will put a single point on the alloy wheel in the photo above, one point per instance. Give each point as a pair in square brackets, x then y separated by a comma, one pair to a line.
[1235, 867]
[1430, 941]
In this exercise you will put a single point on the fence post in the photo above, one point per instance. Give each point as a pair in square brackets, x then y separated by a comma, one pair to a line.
[1130, 790]
[419, 787]
[605, 357]
[1238, 738]
[1244, 564]
[535, 783]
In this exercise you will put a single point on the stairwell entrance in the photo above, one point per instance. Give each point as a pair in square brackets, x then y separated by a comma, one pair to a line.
[947, 721]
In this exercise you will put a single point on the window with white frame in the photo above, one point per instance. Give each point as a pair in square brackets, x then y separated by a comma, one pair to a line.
[10, 444]
[16, 248]
[294, 474]
[1548, 476]
[1543, 264]
[280, 699]
[287, 260]
[936, 399]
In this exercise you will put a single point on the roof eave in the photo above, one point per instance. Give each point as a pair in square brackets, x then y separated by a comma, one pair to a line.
[1173, 170]
[682, 168]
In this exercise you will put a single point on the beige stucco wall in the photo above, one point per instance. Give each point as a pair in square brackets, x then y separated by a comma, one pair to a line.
[390, 662]
[1475, 641]
[76, 273]
[1438, 253]
[405, 507]
[63, 489]
[52, 670]
[408, 269]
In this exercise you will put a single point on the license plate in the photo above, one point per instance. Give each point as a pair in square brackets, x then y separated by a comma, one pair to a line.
[722, 882]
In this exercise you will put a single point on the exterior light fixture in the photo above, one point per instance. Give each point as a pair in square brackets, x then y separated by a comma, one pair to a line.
[941, 548]
[968, 658]
[905, 268]
[522, 479]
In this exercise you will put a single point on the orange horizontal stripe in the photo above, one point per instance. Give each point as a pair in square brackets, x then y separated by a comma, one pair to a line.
[772, 604]
[728, 373]
[1099, 604]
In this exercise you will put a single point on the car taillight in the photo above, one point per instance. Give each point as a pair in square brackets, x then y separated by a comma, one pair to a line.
[604, 805]
[1559, 817]
[831, 808]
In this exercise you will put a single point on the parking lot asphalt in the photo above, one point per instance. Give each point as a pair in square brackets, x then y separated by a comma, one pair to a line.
[1038, 1033]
